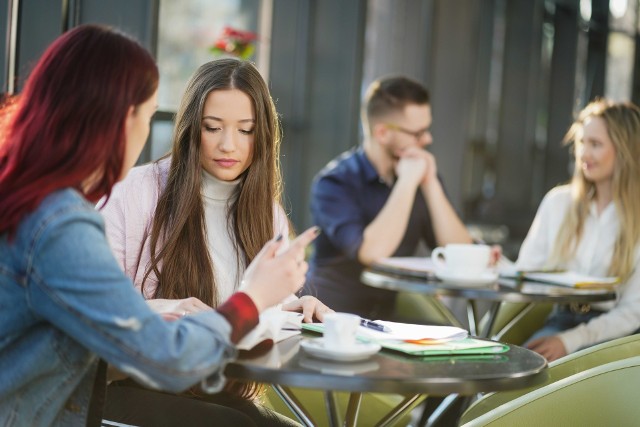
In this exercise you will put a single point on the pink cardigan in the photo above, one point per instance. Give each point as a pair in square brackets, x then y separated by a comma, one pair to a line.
[129, 213]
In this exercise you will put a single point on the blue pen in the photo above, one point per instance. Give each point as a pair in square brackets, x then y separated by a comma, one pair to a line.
[373, 325]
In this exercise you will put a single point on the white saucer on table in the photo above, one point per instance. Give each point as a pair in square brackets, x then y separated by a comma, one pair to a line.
[485, 278]
[330, 367]
[360, 351]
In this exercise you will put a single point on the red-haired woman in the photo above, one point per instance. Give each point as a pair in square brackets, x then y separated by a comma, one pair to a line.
[78, 127]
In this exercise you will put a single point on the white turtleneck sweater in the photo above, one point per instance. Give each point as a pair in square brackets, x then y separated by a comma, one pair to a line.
[217, 197]
[129, 213]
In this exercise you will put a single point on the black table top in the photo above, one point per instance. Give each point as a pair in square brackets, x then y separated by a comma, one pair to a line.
[288, 364]
[508, 290]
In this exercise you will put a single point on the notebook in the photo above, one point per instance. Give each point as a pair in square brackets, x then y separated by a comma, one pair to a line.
[423, 340]
[564, 278]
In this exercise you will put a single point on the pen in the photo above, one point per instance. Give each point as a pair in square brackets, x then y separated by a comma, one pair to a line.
[541, 270]
[373, 325]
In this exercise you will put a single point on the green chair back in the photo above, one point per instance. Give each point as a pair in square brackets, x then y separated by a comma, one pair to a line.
[582, 360]
[602, 396]
[424, 309]
[516, 322]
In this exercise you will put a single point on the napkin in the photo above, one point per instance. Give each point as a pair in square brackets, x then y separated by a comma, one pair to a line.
[274, 324]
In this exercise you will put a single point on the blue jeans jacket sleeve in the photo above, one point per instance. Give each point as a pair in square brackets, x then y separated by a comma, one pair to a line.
[75, 283]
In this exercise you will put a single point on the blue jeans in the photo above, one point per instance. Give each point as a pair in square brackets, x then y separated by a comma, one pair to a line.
[560, 320]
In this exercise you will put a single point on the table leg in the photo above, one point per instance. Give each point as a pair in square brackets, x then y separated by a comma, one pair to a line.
[353, 408]
[294, 405]
[351, 417]
[398, 411]
[331, 405]
[471, 316]
[492, 316]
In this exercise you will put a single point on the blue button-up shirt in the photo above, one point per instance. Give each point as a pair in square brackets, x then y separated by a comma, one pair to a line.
[346, 196]
[64, 301]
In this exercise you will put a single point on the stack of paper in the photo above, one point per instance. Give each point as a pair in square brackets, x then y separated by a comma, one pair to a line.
[564, 278]
[425, 334]
[423, 340]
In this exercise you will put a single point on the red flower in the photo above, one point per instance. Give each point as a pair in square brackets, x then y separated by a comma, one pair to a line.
[235, 42]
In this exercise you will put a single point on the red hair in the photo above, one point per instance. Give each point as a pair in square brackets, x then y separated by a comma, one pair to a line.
[69, 122]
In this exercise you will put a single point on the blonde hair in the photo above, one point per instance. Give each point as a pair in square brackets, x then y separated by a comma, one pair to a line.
[623, 127]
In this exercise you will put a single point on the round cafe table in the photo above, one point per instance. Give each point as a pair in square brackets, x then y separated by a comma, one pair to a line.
[287, 365]
[507, 290]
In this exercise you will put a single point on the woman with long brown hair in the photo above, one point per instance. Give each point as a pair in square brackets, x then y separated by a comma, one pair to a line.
[186, 226]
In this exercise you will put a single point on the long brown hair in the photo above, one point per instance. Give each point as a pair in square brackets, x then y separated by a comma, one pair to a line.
[178, 243]
[179, 256]
[623, 126]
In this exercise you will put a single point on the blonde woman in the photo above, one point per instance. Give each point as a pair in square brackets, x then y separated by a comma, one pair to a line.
[592, 226]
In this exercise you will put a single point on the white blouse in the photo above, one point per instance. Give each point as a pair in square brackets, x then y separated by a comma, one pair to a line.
[592, 257]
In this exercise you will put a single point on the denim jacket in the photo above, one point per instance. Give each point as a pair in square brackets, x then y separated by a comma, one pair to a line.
[64, 302]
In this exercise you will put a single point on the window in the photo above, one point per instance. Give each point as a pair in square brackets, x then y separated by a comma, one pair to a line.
[620, 49]
[186, 31]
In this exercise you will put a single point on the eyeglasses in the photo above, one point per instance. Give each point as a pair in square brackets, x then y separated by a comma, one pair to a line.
[417, 134]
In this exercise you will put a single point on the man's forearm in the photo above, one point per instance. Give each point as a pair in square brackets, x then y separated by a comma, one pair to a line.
[383, 235]
[447, 226]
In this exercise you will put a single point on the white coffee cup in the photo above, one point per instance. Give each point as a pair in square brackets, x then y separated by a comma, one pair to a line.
[340, 330]
[464, 260]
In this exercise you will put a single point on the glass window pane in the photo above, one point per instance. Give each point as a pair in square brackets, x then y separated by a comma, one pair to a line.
[619, 74]
[622, 15]
[187, 30]
[161, 133]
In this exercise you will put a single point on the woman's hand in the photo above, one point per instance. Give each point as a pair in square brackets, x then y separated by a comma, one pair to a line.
[496, 254]
[551, 348]
[272, 276]
[172, 309]
[311, 308]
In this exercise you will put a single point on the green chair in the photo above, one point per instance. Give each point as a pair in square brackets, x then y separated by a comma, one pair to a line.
[602, 396]
[418, 308]
[516, 322]
[582, 360]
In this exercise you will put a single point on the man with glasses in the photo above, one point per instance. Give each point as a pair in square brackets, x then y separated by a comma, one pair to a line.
[381, 199]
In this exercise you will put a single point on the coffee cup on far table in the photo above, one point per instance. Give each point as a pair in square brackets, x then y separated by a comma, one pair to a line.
[340, 330]
[464, 260]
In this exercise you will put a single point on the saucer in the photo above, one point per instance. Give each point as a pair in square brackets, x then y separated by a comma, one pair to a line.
[330, 367]
[485, 278]
[360, 351]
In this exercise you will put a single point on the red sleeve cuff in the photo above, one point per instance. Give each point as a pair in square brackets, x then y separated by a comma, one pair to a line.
[241, 313]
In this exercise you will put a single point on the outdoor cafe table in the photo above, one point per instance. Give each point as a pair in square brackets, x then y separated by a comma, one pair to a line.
[287, 365]
[507, 290]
